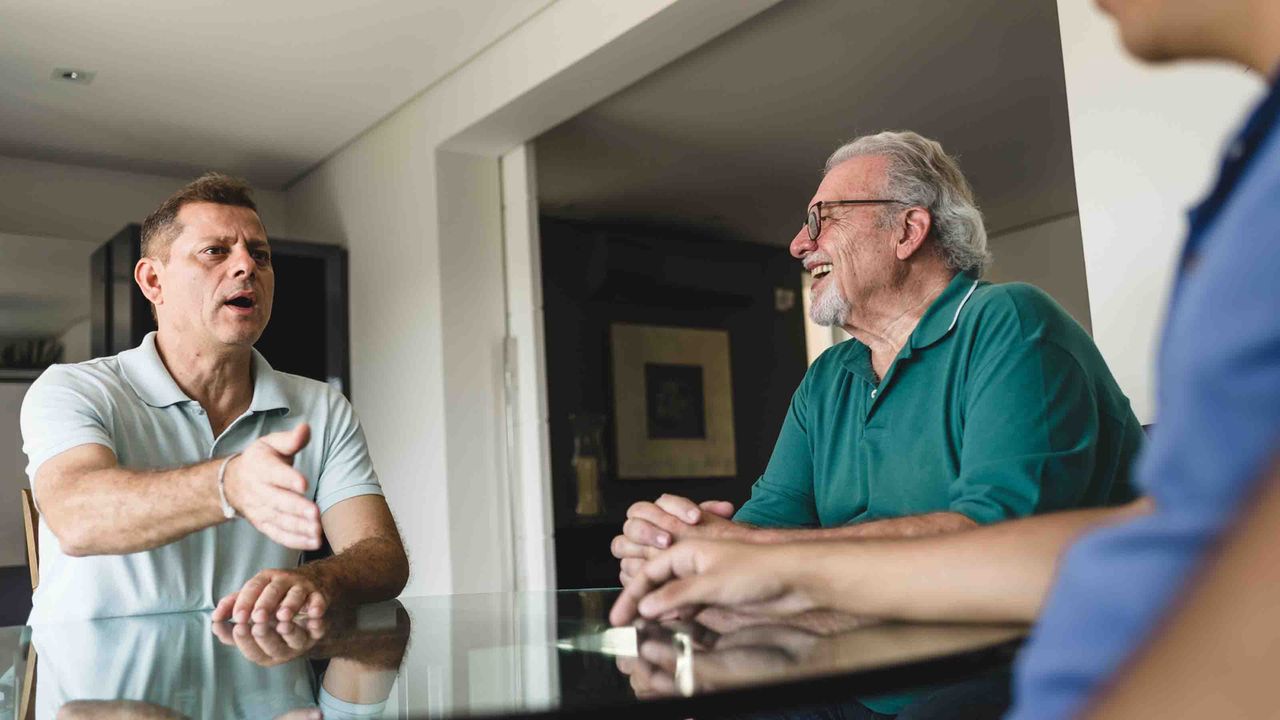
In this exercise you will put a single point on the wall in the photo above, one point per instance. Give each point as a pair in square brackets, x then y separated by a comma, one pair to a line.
[13, 465]
[91, 205]
[1048, 255]
[1145, 142]
[417, 274]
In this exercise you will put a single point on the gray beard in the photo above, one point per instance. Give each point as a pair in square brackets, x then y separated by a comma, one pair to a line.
[829, 309]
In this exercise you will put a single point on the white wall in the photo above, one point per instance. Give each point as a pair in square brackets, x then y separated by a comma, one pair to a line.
[13, 476]
[1048, 255]
[424, 230]
[91, 205]
[1145, 143]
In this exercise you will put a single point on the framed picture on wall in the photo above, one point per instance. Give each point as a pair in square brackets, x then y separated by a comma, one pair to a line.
[673, 402]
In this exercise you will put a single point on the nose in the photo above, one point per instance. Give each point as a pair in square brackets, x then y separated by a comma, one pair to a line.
[801, 245]
[242, 264]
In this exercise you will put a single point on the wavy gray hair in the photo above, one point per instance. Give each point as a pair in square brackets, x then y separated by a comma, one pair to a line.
[922, 173]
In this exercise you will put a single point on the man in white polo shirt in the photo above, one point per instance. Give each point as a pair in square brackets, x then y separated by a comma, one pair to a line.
[186, 474]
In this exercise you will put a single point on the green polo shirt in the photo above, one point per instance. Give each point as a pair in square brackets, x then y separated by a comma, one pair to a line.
[999, 406]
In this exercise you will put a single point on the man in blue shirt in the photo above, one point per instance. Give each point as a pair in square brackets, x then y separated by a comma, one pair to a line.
[1219, 397]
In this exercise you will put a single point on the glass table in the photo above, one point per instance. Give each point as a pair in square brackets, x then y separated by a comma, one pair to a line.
[520, 655]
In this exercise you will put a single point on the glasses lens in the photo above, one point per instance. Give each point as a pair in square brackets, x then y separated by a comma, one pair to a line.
[814, 224]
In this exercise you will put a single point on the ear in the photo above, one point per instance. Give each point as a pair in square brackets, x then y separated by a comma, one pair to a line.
[915, 229]
[147, 275]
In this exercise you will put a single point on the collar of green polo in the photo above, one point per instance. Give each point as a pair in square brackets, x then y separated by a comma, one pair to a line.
[151, 380]
[944, 313]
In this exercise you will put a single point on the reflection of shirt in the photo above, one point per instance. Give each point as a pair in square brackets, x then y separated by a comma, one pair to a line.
[130, 404]
[173, 661]
[1219, 426]
[998, 406]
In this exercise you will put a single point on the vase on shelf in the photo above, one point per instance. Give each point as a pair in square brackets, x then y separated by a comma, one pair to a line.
[588, 462]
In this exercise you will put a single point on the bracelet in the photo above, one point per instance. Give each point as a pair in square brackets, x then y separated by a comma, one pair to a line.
[228, 512]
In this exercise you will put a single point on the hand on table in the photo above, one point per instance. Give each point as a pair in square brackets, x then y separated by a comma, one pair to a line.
[274, 595]
[654, 526]
[264, 488]
[751, 578]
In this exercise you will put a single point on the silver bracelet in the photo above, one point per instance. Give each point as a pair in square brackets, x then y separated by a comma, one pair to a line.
[228, 512]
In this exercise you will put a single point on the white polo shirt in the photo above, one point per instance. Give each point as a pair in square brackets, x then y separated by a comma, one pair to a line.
[130, 404]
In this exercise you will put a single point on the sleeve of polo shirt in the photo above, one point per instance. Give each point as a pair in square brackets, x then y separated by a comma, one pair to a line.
[783, 496]
[1030, 430]
[347, 470]
[61, 410]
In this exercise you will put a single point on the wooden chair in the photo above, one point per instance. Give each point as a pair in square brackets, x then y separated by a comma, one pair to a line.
[31, 518]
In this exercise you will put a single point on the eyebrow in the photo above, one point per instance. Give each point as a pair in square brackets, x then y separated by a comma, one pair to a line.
[251, 242]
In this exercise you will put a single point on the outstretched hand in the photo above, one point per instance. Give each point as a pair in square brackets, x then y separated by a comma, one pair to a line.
[264, 488]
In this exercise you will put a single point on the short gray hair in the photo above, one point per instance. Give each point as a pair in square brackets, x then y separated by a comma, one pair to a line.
[920, 172]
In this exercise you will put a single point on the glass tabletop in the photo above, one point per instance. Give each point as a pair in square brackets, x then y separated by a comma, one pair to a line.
[491, 655]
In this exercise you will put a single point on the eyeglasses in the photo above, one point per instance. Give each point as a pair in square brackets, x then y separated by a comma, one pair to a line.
[814, 221]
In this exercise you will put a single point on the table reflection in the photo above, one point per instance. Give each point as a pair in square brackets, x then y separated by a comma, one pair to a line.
[687, 658]
[184, 666]
[491, 655]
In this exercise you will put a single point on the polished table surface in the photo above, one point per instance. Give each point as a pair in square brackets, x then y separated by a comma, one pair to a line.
[493, 655]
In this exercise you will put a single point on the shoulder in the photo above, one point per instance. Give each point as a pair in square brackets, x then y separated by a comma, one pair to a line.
[1017, 311]
[95, 378]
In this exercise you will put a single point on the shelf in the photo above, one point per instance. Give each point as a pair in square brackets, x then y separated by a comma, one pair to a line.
[18, 375]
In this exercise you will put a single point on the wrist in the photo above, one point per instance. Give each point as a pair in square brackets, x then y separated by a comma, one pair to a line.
[225, 492]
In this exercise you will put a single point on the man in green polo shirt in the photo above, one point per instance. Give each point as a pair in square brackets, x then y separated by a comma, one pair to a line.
[957, 403]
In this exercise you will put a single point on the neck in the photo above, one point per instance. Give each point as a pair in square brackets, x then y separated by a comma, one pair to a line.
[886, 321]
[1253, 37]
[220, 380]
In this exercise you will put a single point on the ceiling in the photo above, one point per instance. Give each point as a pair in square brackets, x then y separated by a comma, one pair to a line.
[731, 138]
[262, 89]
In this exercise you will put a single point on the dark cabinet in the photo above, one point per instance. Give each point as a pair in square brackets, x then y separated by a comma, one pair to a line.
[308, 331]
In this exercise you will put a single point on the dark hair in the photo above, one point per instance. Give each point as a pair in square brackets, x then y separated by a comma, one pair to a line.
[162, 226]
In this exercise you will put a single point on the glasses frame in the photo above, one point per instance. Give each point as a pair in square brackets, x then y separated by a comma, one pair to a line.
[813, 221]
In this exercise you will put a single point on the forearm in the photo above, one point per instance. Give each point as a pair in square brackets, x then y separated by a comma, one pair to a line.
[904, 527]
[115, 511]
[370, 570]
[997, 573]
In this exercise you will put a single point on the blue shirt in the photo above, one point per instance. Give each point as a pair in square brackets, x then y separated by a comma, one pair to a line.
[1219, 400]
[130, 404]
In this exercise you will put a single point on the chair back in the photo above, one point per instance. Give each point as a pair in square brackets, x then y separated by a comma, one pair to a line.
[31, 519]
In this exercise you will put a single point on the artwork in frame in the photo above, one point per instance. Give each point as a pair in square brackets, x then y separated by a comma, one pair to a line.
[673, 402]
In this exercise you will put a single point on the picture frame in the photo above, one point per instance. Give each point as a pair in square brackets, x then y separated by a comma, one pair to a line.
[673, 402]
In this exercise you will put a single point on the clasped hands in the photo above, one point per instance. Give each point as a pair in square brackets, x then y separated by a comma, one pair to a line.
[679, 557]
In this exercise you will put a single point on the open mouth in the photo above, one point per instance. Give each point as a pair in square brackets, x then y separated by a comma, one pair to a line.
[244, 302]
[820, 271]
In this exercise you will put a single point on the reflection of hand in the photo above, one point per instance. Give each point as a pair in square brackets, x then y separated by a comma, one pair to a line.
[271, 644]
[274, 595]
[262, 485]
[116, 710]
[653, 526]
[819, 622]
[752, 578]
[740, 658]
